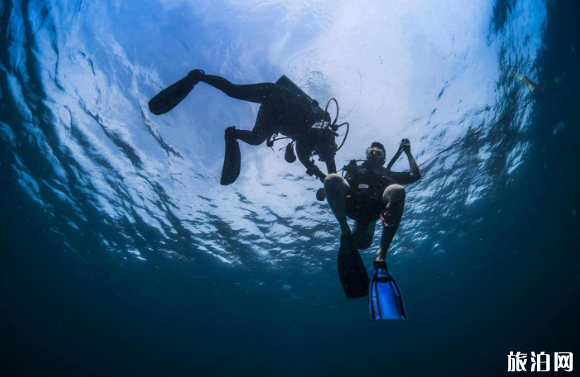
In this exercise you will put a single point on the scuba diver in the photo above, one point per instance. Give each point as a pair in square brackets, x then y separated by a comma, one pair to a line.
[284, 109]
[369, 192]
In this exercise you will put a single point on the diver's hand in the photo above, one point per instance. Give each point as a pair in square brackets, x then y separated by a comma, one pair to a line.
[415, 172]
[195, 76]
[406, 146]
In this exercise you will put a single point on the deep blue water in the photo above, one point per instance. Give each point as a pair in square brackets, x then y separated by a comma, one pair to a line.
[122, 255]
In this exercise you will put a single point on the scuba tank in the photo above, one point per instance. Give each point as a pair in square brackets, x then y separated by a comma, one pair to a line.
[320, 118]
[317, 112]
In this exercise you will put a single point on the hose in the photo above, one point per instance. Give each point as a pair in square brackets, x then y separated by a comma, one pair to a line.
[345, 135]
[326, 111]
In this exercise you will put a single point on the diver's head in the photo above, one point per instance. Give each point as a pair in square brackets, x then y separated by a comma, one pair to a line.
[376, 154]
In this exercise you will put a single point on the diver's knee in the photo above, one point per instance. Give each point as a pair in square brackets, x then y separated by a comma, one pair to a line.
[333, 181]
[257, 138]
[394, 194]
[256, 142]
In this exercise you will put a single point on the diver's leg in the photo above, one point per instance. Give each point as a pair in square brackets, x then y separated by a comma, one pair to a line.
[257, 93]
[263, 128]
[362, 235]
[394, 199]
[330, 165]
[248, 137]
[336, 189]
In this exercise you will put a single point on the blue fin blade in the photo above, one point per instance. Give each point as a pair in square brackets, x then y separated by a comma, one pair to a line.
[385, 298]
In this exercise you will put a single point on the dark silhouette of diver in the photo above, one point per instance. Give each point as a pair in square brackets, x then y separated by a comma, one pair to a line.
[367, 193]
[284, 109]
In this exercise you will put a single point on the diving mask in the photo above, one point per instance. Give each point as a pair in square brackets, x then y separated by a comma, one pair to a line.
[376, 153]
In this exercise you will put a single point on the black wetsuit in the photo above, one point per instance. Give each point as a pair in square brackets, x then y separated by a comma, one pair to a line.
[364, 201]
[283, 112]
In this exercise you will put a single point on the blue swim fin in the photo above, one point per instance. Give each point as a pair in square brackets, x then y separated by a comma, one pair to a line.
[385, 299]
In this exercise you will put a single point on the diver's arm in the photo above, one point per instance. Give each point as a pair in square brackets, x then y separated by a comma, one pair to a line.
[304, 157]
[415, 172]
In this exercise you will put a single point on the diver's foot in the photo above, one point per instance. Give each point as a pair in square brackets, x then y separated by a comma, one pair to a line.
[379, 264]
[195, 76]
[230, 133]
[345, 243]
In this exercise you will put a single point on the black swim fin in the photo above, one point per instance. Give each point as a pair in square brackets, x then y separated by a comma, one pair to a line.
[385, 298]
[232, 161]
[171, 96]
[351, 270]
